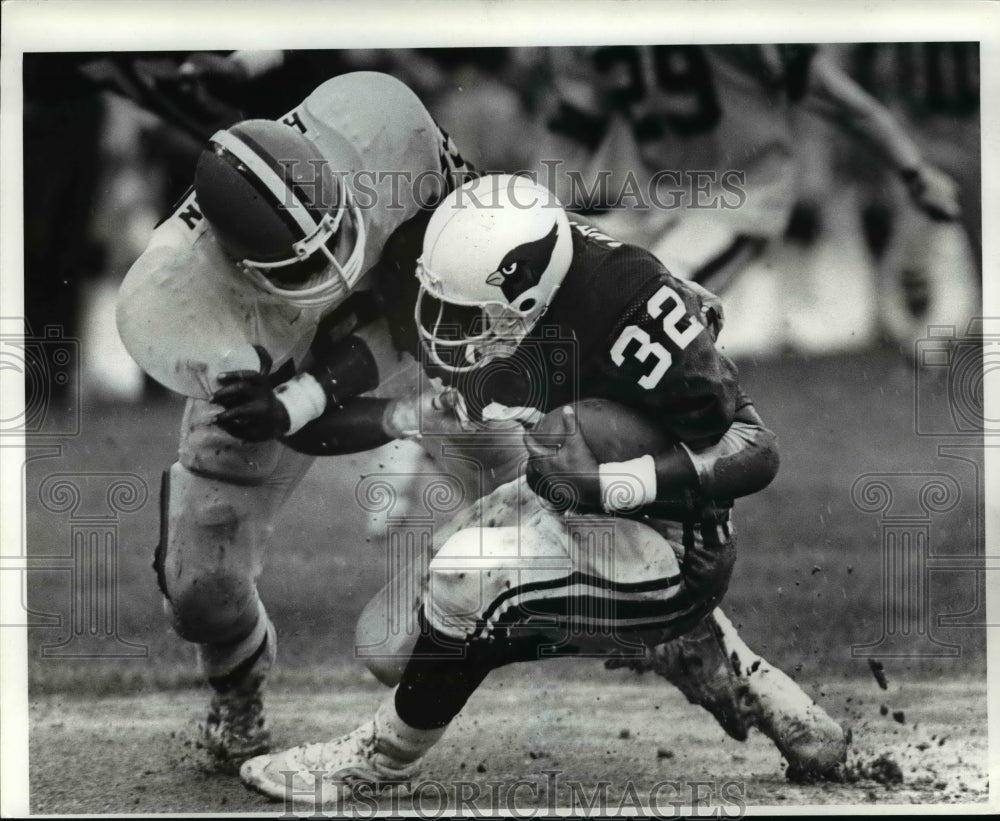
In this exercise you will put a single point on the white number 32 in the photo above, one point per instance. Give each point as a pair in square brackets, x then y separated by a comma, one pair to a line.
[647, 347]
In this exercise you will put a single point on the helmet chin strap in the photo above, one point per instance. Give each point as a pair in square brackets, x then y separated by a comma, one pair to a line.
[332, 284]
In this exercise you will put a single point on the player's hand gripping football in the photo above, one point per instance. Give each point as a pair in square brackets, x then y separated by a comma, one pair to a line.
[933, 192]
[252, 412]
[565, 471]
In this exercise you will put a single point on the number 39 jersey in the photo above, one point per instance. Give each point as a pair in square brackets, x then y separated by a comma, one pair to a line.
[620, 327]
[695, 129]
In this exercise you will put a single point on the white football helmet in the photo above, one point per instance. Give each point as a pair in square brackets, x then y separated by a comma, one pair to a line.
[495, 252]
[277, 206]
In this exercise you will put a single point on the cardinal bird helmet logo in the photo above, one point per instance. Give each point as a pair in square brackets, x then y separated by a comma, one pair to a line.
[495, 252]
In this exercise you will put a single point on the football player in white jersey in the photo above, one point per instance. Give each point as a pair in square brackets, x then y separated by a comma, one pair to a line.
[284, 220]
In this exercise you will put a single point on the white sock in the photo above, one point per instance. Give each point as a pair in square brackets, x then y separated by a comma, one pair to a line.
[397, 739]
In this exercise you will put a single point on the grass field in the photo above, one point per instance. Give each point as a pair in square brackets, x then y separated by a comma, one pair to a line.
[808, 586]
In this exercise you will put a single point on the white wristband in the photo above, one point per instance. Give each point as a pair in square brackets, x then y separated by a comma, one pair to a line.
[628, 485]
[303, 398]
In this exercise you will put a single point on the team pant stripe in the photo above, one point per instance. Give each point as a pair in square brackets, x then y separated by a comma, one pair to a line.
[598, 615]
[578, 578]
[626, 600]
[273, 180]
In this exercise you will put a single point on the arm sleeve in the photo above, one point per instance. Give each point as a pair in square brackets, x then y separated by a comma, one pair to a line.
[395, 284]
[338, 358]
[353, 427]
[743, 462]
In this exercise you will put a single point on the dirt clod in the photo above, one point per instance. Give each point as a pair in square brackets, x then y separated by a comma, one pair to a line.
[879, 672]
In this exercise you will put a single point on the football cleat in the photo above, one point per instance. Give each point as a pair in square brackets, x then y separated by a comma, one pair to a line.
[330, 773]
[236, 727]
[715, 669]
[380, 756]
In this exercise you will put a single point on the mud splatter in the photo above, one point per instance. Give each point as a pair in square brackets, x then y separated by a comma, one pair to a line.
[879, 672]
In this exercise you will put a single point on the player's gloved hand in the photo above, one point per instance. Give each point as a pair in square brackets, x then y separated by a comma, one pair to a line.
[252, 410]
[564, 472]
[427, 414]
[933, 192]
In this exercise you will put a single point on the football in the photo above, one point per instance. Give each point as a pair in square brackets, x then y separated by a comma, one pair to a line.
[613, 431]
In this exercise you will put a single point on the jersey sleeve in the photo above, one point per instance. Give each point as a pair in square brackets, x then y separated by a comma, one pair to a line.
[180, 341]
[662, 357]
[185, 314]
[395, 284]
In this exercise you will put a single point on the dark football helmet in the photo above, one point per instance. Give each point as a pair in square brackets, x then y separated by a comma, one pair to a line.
[281, 209]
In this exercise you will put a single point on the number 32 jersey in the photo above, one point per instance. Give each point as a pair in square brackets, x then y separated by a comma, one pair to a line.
[620, 327]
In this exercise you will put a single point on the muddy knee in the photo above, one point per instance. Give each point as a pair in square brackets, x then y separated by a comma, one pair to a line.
[214, 609]
[208, 557]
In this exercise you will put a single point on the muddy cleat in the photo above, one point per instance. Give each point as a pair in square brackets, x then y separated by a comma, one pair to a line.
[715, 669]
[236, 727]
[813, 744]
[381, 756]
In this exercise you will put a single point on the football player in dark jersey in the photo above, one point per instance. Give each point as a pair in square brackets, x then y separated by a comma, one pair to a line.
[521, 312]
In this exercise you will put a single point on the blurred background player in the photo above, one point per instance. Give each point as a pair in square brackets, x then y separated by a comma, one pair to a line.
[266, 249]
[693, 152]
[709, 110]
[506, 281]
[697, 153]
[929, 273]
